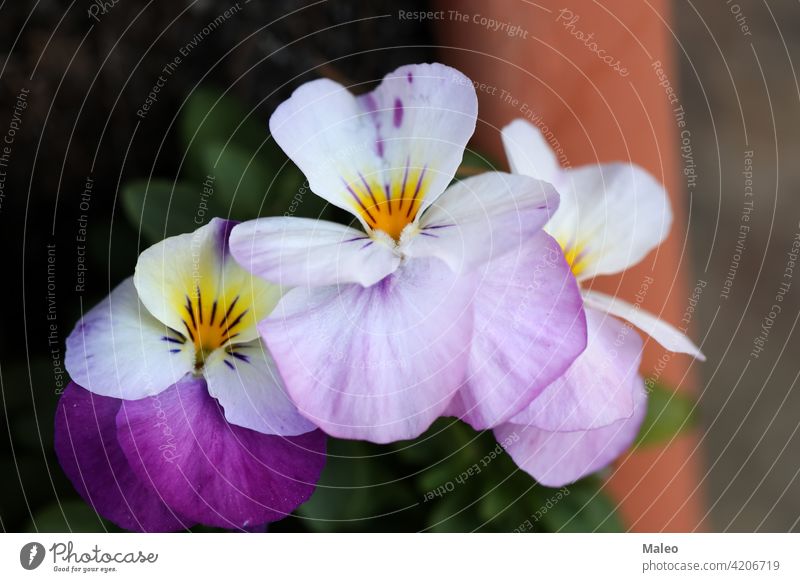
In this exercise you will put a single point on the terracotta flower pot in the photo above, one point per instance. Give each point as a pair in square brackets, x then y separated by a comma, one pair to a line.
[602, 80]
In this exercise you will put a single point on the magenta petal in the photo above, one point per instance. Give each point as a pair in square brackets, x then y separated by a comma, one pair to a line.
[217, 473]
[379, 363]
[529, 328]
[87, 448]
[558, 458]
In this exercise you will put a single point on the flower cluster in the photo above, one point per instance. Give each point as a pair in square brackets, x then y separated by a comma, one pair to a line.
[204, 386]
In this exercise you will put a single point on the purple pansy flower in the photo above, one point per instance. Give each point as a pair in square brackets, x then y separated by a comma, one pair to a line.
[373, 341]
[611, 216]
[176, 414]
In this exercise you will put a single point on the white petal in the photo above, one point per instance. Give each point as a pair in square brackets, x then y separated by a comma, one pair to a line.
[118, 349]
[528, 152]
[611, 216]
[248, 386]
[661, 331]
[403, 141]
[482, 218]
[180, 267]
[302, 252]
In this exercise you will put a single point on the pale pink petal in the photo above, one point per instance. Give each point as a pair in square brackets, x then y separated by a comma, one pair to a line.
[555, 459]
[378, 363]
[529, 328]
[598, 388]
[482, 218]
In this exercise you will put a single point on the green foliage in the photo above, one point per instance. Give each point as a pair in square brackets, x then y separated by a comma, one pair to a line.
[231, 169]
[451, 479]
[69, 516]
[161, 208]
[475, 163]
[668, 414]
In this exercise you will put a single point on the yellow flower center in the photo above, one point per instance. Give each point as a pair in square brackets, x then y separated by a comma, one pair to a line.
[577, 256]
[389, 207]
[211, 321]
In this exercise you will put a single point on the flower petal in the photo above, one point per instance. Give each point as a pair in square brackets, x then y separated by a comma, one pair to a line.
[88, 451]
[196, 271]
[528, 152]
[598, 388]
[611, 216]
[482, 218]
[118, 349]
[378, 363]
[555, 459]
[401, 142]
[248, 386]
[661, 331]
[529, 328]
[300, 252]
[216, 473]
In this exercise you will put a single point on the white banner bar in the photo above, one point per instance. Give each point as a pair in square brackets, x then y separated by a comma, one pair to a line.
[407, 557]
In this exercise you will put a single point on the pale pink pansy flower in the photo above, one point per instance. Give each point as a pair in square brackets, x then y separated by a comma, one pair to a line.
[374, 338]
[611, 217]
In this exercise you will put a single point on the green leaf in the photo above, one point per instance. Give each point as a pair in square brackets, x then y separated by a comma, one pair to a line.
[668, 414]
[210, 116]
[69, 516]
[474, 163]
[356, 489]
[581, 507]
[163, 208]
[247, 186]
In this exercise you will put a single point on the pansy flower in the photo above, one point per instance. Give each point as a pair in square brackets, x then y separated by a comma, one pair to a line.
[176, 414]
[611, 216]
[373, 340]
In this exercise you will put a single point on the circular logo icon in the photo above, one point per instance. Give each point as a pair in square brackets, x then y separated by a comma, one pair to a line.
[31, 555]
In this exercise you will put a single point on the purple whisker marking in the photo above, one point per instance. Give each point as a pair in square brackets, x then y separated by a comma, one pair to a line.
[190, 310]
[379, 147]
[360, 203]
[171, 340]
[369, 190]
[199, 306]
[410, 77]
[355, 238]
[365, 245]
[435, 226]
[235, 321]
[213, 312]
[429, 234]
[405, 180]
[231, 366]
[241, 357]
[174, 350]
[398, 112]
[228, 313]
[387, 192]
[191, 335]
[416, 190]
